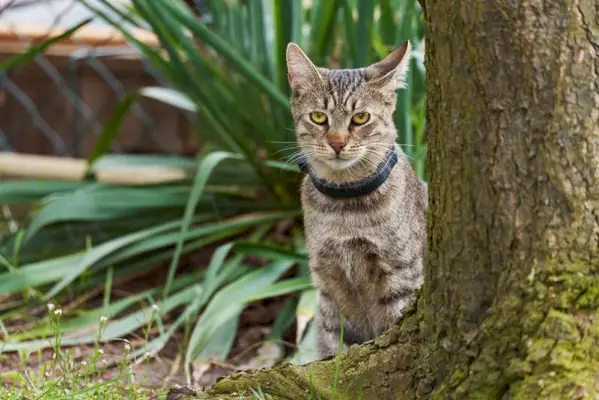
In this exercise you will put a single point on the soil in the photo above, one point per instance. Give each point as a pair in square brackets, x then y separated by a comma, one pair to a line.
[166, 368]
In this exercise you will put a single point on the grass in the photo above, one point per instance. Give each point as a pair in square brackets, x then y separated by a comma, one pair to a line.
[58, 374]
[238, 201]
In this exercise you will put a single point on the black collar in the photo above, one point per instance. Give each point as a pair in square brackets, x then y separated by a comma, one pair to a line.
[353, 189]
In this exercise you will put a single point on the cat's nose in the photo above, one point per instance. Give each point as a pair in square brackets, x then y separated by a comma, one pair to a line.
[337, 145]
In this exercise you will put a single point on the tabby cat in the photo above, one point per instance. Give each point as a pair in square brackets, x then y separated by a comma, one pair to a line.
[364, 207]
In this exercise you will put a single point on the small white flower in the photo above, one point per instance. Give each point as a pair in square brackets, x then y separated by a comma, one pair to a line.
[147, 355]
[104, 362]
[155, 307]
[58, 312]
[103, 319]
[84, 363]
[100, 351]
[54, 356]
[127, 347]
[51, 307]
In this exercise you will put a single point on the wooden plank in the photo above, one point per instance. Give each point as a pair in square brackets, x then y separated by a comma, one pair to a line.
[93, 36]
[29, 166]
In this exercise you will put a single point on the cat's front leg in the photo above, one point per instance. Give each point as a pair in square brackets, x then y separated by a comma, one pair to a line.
[328, 328]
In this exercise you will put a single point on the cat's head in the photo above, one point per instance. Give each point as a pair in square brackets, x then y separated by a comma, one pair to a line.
[344, 117]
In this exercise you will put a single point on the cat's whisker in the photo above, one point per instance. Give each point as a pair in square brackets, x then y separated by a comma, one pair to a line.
[290, 147]
[375, 156]
[295, 146]
[294, 158]
[285, 150]
[385, 147]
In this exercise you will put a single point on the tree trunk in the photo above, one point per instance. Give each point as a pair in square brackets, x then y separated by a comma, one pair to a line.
[509, 305]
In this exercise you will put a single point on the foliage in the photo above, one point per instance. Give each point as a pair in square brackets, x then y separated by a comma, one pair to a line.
[227, 68]
[64, 376]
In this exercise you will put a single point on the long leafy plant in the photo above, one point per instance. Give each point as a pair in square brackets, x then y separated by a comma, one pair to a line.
[226, 67]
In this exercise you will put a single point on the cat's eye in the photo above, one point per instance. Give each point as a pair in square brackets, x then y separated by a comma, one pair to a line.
[360, 118]
[318, 117]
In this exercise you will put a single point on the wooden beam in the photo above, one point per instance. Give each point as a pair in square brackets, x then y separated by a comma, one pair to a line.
[29, 166]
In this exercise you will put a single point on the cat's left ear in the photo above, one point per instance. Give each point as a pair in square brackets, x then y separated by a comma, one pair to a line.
[393, 69]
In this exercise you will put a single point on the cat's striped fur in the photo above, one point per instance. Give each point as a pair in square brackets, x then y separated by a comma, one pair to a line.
[366, 252]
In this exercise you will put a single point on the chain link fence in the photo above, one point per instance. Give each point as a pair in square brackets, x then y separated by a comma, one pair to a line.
[59, 102]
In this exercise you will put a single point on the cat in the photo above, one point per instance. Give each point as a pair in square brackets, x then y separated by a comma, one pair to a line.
[364, 208]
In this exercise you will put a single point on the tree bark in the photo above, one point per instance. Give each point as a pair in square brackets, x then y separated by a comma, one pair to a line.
[509, 308]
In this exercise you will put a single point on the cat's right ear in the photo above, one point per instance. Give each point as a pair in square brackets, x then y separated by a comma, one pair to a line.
[301, 71]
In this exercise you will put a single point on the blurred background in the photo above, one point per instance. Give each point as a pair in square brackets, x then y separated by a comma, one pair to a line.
[147, 158]
[59, 102]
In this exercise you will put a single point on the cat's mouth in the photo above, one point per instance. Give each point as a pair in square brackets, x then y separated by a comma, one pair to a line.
[337, 162]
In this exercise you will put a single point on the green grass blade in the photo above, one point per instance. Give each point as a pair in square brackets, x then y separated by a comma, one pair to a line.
[52, 270]
[98, 202]
[114, 329]
[123, 12]
[403, 118]
[284, 320]
[306, 351]
[97, 253]
[220, 342]
[32, 191]
[158, 343]
[268, 251]
[110, 130]
[37, 49]
[259, 54]
[205, 168]
[37, 274]
[297, 22]
[323, 22]
[170, 96]
[182, 14]
[231, 300]
[235, 34]
[387, 26]
[306, 309]
[232, 132]
[282, 288]
[108, 288]
[151, 54]
[283, 17]
[349, 25]
[88, 319]
[364, 32]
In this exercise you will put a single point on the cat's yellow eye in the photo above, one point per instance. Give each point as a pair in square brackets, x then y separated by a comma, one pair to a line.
[318, 117]
[360, 118]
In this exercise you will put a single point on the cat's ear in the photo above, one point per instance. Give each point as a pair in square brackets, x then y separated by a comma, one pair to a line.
[393, 69]
[300, 70]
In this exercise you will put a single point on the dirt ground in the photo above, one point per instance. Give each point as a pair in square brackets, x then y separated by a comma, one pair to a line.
[166, 368]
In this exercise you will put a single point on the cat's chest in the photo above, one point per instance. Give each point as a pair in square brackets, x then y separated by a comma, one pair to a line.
[355, 273]
[361, 260]
[347, 225]
[350, 239]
